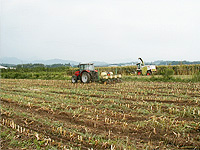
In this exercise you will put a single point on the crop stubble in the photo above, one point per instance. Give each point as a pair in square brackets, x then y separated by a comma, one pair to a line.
[116, 116]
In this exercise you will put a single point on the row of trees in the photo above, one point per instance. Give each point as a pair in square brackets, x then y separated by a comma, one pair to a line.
[19, 66]
[38, 71]
[178, 69]
[38, 68]
[59, 71]
[177, 62]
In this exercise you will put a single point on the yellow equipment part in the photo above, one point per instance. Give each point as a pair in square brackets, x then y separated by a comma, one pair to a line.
[144, 70]
[105, 77]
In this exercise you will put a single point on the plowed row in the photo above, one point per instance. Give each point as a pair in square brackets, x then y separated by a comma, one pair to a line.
[128, 115]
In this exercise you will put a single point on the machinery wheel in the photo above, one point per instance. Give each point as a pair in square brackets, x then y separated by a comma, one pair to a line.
[85, 78]
[149, 73]
[74, 79]
[139, 73]
[96, 76]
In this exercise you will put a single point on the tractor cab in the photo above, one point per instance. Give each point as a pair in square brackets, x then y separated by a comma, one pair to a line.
[86, 73]
[88, 66]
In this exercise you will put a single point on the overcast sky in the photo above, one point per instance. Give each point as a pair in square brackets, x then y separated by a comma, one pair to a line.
[101, 30]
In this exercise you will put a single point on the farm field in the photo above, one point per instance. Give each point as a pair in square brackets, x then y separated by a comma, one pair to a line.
[129, 115]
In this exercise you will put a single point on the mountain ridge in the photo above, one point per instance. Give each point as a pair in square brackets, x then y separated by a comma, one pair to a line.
[16, 61]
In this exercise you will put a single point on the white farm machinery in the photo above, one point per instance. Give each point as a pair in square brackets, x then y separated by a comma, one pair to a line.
[143, 69]
[87, 73]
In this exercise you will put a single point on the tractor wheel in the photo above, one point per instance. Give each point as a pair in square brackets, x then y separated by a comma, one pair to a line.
[96, 76]
[85, 78]
[74, 79]
[139, 73]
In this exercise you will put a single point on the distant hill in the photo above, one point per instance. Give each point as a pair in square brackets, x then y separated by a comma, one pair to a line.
[99, 63]
[16, 61]
[11, 61]
[55, 61]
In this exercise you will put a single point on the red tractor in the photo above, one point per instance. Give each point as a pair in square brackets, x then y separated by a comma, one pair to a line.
[86, 73]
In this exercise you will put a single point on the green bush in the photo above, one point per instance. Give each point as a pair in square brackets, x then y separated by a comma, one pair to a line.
[167, 73]
[196, 77]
